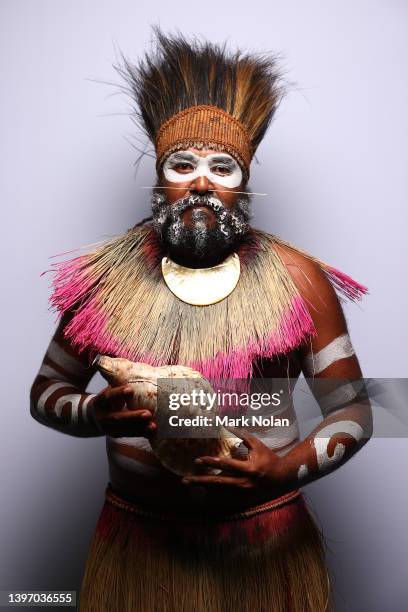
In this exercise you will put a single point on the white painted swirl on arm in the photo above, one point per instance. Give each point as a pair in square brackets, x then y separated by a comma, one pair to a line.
[321, 443]
[60, 401]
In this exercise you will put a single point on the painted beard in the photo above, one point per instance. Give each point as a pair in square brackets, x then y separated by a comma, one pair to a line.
[200, 243]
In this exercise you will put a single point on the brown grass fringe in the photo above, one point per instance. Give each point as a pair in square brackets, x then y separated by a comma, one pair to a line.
[141, 562]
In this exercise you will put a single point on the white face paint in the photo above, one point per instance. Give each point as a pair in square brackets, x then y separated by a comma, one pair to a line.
[219, 168]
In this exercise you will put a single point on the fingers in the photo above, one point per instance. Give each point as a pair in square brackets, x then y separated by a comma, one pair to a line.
[113, 397]
[240, 465]
[250, 441]
[134, 416]
[127, 424]
[117, 421]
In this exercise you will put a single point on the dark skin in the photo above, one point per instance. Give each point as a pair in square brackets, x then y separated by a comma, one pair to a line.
[200, 186]
[263, 469]
[108, 403]
[263, 474]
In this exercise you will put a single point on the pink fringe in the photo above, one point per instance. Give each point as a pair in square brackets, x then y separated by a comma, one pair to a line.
[296, 324]
[88, 330]
[71, 283]
[345, 284]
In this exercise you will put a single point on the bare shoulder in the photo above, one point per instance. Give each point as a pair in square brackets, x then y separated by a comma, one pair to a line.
[308, 276]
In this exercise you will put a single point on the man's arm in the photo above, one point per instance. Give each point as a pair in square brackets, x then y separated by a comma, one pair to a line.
[58, 397]
[327, 357]
[332, 370]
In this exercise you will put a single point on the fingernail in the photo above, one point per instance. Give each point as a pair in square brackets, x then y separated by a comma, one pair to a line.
[197, 461]
[185, 481]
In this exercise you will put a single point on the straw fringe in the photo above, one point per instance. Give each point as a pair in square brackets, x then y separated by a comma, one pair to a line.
[347, 287]
[123, 307]
[140, 564]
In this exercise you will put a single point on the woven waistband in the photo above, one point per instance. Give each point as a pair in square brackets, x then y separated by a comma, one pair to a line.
[147, 512]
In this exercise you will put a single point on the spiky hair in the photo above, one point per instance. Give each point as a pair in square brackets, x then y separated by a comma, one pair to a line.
[181, 73]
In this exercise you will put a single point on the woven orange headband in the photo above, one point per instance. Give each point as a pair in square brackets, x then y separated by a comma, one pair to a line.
[204, 126]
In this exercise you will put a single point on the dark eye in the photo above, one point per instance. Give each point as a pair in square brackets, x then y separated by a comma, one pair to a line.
[183, 167]
[221, 170]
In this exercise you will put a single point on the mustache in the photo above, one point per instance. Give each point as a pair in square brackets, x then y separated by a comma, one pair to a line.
[204, 200]
[194, 201]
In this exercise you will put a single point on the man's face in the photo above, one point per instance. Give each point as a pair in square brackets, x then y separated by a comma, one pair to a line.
[200, 212]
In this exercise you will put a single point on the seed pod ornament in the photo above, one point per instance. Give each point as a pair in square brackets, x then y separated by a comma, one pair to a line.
[152, 387]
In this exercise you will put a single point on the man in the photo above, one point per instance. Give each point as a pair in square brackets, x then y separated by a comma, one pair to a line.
[200, 287]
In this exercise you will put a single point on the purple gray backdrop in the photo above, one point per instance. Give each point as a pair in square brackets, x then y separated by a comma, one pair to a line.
[334, 164]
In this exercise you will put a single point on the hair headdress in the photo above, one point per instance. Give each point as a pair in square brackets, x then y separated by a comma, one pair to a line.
[189, 93]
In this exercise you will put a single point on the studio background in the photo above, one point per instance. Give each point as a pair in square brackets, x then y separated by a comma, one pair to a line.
[334, 163]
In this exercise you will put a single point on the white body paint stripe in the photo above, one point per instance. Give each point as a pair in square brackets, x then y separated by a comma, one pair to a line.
[339, 397]
[339, 348]
[281, 436]
[135, 441]
[66, 361]
[47, 393]
[133, 464]
[84, 407]
[49, 372]
[302, 471]
[74, 399]
[136, 467]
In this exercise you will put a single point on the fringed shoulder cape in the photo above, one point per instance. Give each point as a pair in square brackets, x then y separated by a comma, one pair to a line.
[122, 307]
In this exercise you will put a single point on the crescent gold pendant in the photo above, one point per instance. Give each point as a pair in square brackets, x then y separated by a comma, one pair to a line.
[202, 286]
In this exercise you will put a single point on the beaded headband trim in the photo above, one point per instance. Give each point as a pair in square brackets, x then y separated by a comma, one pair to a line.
[204, 126]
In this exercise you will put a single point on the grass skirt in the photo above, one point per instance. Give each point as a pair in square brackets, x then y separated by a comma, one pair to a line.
[267, 558]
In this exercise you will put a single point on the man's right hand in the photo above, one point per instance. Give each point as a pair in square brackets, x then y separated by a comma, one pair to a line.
[113, 417]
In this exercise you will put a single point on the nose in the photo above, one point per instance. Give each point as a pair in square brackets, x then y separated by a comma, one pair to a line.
[200, 185]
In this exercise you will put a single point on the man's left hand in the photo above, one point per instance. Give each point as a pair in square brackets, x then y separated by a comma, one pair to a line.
[262, 468]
